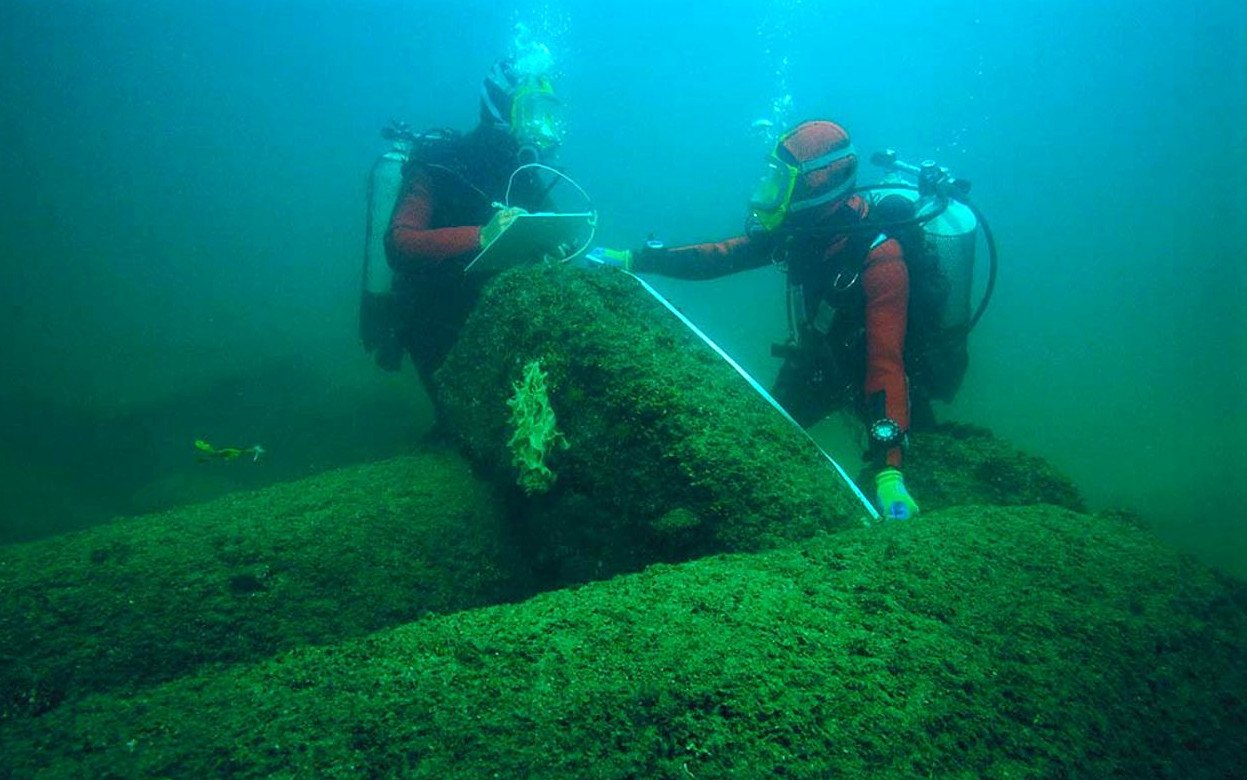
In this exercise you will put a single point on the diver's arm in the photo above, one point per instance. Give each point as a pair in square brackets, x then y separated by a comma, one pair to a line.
[703, 261]
[886, 284]
[410, 243]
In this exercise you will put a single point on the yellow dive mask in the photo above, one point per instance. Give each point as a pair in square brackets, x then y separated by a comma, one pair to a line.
[537, 115]
[772, 196]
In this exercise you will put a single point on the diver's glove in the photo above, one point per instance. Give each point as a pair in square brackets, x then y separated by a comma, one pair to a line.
[894, 498]
[499, 222]
[613, 258]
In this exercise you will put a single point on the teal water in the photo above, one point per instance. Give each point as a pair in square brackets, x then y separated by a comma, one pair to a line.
[182, 198]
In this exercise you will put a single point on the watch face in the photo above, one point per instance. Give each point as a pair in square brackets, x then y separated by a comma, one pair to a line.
[885, 431]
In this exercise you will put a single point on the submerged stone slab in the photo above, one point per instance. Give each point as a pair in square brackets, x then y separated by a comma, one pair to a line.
[1028, 642]
[955, 464]
[666, 452]
[341, 554]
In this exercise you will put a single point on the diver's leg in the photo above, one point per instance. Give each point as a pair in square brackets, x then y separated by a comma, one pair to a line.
[427, 356]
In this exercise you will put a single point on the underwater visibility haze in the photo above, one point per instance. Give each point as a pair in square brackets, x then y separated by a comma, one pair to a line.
[183, 191]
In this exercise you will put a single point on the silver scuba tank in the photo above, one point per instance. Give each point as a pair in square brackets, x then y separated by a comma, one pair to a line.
[377, 318]
[950, 238]
[384, 183]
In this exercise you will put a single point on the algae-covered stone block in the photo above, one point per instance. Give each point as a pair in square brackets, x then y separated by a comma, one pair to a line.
[955, 464]
[669, 453]
[248, 575]
[978, 643]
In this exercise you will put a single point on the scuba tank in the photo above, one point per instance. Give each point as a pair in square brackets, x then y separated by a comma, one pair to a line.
[950, 239]
[377, 315]
[950, 226]
[949, 233]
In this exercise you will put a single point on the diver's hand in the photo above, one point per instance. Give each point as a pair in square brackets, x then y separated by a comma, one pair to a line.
[894, 498]
[612, 258]
[498, 223]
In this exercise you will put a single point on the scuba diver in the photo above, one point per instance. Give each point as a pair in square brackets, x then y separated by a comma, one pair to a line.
[447, 205]
[865, 297]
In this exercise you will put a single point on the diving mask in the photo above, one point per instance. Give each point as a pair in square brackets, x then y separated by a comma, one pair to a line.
[536, 115]
[772, 193]
[772, 196]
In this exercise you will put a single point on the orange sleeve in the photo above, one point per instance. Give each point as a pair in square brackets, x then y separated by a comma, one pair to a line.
[886, 284]
[410, 243]
[704, 261]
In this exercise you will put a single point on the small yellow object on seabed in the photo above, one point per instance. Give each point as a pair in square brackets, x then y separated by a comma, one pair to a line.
[226, 453]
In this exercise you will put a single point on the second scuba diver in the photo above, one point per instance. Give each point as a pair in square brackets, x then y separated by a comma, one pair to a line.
[446, 211]
[849, 292]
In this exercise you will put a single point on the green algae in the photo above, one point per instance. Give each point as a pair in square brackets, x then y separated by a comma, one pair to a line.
[957, 465]
[255, 636]
[1027, 642]
[656, 422]
[536, 434]
[246, 576]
